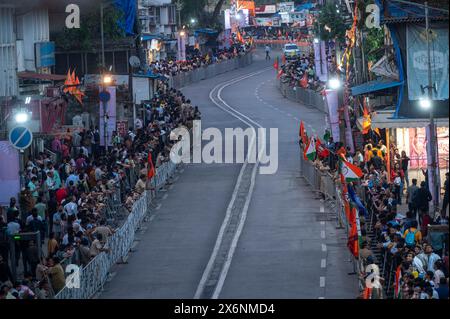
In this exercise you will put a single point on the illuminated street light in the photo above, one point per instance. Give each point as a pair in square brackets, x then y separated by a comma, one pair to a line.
[182, 33]
[22, 116]
[316, 40]
[193, 21]
[107, 79]
[425, 103]
[334, 84]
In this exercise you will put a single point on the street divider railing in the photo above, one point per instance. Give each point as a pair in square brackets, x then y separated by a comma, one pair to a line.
[185, 78]
[93, 276]
[303, 96]
[326, 185]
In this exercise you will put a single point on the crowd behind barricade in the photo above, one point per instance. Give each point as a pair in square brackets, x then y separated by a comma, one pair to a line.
[301, 73]
[271, 33]
[196, 59]
[396, 212]
[66, 199]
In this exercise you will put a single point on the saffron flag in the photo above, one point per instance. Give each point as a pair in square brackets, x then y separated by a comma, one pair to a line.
[276, 64]
[310, 151]
[303, 133]
[367, 121]
[280, 73]
[239, 37]
[352, 243]
[304, 81]
[150, 167]
[341, 153]
[350, 172]
[398, 289]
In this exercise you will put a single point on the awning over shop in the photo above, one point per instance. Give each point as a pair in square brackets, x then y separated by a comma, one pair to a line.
[149, 37]
[150, 75]
[205, 31]
[373, 86]
[385, 119]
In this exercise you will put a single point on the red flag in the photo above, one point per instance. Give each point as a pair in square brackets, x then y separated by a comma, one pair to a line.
[283, 59]
[276, 64]
[352, 242]
[322, 151]
[303, 133]
[279, 33]
[150, 167]
[304, 81]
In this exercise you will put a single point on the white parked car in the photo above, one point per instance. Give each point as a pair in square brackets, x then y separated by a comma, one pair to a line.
[291, 51]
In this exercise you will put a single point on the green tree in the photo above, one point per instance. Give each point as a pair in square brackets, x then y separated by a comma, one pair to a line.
[89, 31]
[331, 24]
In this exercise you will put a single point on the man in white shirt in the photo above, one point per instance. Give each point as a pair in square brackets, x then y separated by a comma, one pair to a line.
[71, 208]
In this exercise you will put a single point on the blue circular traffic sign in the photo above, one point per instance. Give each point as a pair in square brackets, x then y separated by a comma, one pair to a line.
[105, 96]
[21, 137]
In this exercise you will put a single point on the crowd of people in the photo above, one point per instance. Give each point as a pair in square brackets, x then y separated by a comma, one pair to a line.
[196, 59]
[273, 33]
[301, 73]
[398, 209]
[66, 198]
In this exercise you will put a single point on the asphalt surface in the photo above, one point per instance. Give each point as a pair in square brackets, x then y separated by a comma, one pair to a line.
[279, 245]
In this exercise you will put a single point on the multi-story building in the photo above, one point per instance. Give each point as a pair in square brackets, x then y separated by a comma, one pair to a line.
[158, 20]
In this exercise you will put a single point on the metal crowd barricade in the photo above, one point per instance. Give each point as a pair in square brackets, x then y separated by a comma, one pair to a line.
[95, 274]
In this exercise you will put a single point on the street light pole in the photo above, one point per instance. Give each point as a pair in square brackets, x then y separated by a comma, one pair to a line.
[102, 35]
[433, 166]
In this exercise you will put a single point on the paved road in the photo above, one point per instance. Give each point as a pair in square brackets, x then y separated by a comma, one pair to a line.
[275, 243]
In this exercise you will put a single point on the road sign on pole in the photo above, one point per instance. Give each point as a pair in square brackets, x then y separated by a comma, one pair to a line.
[21, 137]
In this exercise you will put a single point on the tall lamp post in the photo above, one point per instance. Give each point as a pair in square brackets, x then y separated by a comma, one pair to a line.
[427, 104]
[104, 97]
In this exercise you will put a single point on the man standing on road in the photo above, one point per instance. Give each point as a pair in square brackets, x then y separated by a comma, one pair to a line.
[267, 49]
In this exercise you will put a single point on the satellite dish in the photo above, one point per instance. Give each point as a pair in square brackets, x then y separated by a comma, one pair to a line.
[134, 61]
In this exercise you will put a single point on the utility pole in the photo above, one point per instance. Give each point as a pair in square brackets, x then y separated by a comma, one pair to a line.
[102, 35]
[430, 86]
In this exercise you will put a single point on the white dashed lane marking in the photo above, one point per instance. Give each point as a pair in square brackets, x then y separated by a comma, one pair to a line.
[323, 263]
[322, 282]
[324, 247]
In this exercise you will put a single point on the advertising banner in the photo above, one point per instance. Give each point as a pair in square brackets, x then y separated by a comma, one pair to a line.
[418, 61]
[286, 6]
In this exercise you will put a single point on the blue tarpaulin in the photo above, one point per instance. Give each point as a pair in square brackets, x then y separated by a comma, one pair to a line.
[128, 7]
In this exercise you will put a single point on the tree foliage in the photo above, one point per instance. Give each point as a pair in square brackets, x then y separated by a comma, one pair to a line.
[331, 24]
[90, 31]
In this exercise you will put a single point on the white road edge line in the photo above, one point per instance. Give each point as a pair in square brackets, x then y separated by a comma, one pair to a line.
[322, 282]
[208, 268]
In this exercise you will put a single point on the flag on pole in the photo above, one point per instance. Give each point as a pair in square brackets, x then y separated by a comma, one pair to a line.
[367, 121]
[150, 167]
[303, 133]
[304, 81]
[322, 151]
[276, 64]
[310, 151]
[398, 289]
[350, 172]
[280, 73]
[352, 243]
